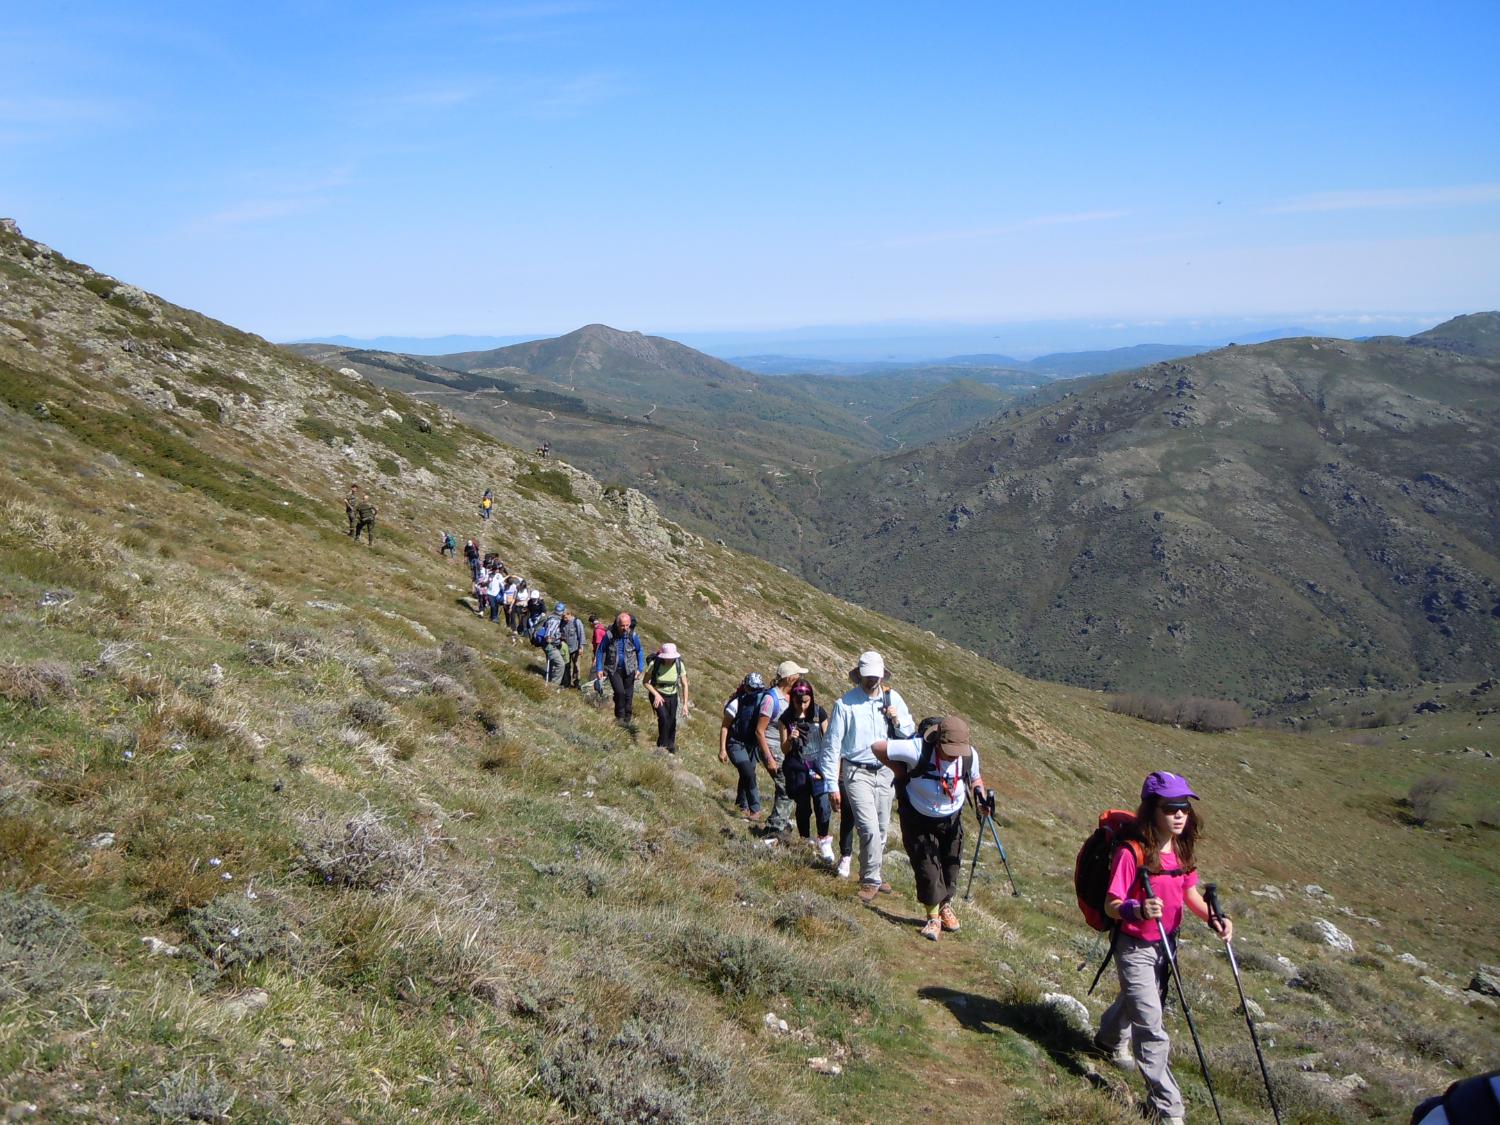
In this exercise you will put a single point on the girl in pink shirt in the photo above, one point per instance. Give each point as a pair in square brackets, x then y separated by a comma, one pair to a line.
[1167, 831]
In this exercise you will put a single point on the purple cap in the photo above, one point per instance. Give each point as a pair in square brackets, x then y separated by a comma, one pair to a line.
[1166, 786]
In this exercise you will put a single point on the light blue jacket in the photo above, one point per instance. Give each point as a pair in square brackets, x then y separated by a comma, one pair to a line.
[857, 723]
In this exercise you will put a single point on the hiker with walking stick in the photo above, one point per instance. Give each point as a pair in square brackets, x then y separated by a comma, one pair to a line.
[934, 773]
[1147, 896]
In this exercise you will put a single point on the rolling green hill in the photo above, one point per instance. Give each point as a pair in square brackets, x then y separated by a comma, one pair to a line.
[287, 834]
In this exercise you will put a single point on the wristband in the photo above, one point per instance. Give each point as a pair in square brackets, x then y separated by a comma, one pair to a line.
[1131, 909]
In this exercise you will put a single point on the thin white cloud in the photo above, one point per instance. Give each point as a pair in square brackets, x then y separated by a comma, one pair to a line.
[1459, 195]
[568, 97]
[294, 196]
[977, 233]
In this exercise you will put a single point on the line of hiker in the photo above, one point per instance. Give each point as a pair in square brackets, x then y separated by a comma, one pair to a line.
[1135, 876]
[618, 660]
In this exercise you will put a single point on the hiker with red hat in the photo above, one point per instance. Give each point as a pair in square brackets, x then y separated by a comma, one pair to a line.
[1152, 880]
[934, 774]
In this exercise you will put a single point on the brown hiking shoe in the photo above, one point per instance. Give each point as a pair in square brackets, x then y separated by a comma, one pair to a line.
[867, 892]
[948, 918]
[933, 930]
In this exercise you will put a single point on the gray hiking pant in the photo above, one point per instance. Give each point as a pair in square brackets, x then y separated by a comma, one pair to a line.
[1136, 1018]
[557, 662]
[869, 793]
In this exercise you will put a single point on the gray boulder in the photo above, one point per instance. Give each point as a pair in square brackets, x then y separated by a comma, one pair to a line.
[1486, 981]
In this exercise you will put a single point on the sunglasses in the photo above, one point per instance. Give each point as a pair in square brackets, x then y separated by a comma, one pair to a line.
[1175, 807]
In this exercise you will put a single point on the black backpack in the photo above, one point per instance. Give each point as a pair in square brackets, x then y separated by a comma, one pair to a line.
[742, 727]
[905, 775]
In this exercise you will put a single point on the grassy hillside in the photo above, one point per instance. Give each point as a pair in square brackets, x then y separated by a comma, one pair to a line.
[290, 835]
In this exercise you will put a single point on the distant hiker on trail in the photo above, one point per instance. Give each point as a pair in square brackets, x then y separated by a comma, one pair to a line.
[450, 544]
[471, 556]
[487, 504]
[351, 507]
[867, 712]
[807, 764]
[737, 744]
[768, 740]
[665, 677]
[522, 605]
[620, 660]
[572, 635]
[938, 770]
[365, 513]
[597, 629]
[1161, 846]
[544, 450]
[549, 638]
[536, 609]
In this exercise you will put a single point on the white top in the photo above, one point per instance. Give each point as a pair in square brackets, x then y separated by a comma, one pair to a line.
[940, 796]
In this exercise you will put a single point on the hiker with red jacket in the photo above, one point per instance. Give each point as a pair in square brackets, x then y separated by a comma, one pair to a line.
[1162, 843]
[935, 771]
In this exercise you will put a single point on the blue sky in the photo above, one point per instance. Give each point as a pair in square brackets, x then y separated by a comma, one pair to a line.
[311, 168]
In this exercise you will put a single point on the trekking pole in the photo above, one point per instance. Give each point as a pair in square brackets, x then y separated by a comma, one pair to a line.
[987, 820]
[1211, 896]
[1187, 1012]
[1015, 891]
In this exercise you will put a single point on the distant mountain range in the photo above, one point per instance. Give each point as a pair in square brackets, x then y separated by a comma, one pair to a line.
[1246, 521]
[1058, 365]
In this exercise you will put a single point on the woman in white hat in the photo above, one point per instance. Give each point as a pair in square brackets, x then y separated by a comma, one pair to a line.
[665, 677]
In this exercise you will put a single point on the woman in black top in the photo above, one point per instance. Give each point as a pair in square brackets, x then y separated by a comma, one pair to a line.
[804, 726]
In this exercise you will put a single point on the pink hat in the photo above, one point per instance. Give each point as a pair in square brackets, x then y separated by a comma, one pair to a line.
[668, 651]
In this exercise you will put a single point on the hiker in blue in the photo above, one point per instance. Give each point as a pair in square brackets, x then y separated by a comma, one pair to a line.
[737, 741]
[620, 660]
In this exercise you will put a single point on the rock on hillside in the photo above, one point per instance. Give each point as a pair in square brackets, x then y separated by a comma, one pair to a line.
[1254, 521]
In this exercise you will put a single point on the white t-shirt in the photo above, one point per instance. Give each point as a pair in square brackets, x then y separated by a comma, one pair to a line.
[940, 796]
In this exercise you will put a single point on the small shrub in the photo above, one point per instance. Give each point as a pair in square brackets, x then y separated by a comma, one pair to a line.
[36, 684]
[192, 1097]
[234, 932]
[364, 852]
[369, 714]
[41, 950]
[1440, 1042]
[1427, 799]
[753, 964]
[1333, 984]
[289, 648]
[811, 916]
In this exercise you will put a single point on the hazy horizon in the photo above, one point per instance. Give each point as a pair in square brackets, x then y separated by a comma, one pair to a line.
[905, 342]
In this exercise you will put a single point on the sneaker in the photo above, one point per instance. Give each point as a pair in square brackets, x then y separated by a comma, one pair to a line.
[842, 870]
[948, 918]
[933, 930]
[825, 849]
[1171, 1120]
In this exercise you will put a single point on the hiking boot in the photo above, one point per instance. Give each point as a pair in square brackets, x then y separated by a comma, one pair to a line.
[867, 892]
[948, 918]
[842, 870]
[1118, 1056]
[885, 889]
[933, 929]
[825, 849]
